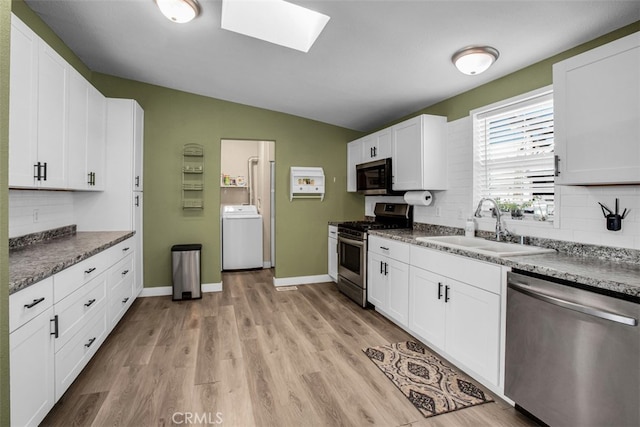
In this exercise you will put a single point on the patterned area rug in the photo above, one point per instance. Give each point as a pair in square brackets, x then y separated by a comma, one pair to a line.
[432, 386]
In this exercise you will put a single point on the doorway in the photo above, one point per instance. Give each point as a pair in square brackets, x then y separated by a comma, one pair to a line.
[247, 177]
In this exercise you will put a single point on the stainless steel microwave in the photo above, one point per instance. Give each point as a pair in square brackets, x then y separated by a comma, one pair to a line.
[375, 178]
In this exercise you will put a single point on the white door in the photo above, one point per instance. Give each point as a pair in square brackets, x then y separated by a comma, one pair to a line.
[354, 157]
[398, 291]
[333, 258]
[96, 138]
[23, 105]
[138, 201]
[77, 121]
[473, 329]
[52, 112]
[32, 371]
[426, 306]
[376, 281]
[407, 155]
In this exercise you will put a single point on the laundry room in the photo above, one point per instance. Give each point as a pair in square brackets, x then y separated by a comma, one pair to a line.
[246, 204]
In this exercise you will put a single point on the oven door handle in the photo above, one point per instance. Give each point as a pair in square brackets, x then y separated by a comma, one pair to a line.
[358, 243]
[585, 309]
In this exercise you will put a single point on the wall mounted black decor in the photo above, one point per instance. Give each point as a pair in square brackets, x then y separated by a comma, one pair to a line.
[614, 219]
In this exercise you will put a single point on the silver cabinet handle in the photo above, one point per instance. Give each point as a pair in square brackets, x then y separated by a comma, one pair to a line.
[585, 309]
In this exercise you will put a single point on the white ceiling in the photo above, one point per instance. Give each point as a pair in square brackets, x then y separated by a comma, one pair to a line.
[376, 61]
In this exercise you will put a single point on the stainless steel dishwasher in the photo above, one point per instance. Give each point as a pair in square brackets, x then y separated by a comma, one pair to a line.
[572, 356]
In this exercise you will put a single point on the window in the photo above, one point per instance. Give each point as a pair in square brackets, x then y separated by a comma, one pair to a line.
[513, 155]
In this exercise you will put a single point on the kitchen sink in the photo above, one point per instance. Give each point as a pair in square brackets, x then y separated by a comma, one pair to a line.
[487, 247]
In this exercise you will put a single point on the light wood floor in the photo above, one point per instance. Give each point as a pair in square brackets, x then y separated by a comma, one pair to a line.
[250, 356]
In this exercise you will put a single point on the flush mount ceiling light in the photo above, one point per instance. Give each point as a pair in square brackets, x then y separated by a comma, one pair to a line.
[474, 60]
[179, 11]
[274, 21]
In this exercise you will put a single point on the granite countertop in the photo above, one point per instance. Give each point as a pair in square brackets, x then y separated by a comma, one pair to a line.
[35, 262]
[615, 276]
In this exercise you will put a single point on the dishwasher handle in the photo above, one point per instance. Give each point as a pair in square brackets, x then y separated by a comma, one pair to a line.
[591, 311]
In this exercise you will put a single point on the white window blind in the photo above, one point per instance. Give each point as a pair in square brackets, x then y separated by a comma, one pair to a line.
[514, 160]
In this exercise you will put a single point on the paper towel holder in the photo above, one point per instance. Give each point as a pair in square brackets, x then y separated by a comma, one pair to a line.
[418, 198]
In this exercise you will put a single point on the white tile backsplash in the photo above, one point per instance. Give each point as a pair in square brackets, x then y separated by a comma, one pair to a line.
[54, 209]
[578, 213]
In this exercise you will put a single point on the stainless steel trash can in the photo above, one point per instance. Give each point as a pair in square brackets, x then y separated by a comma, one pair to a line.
[185, 261]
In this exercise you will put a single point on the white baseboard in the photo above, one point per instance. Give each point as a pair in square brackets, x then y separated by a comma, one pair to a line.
[159, 291]
[301, 280]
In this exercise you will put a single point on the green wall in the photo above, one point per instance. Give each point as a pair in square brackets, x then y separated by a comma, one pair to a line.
[5, 26]
[174, 118]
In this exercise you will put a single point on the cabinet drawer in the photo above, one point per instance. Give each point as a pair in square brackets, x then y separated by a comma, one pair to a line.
[27, 303]
[72, 278]
[477, 273]
[70, 360]
[121, 250]
[74, 311]
[390, 248]
[122, 270]
[120, 298]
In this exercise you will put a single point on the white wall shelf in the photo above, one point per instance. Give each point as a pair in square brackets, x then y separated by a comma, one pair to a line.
[306, 183]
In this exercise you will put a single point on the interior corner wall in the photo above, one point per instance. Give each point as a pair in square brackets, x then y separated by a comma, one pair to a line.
[5, 33]
[173, 118]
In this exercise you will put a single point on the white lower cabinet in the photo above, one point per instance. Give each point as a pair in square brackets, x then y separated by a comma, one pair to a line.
[75, 355]
[388, 278]
[459, 319]
[58, 324]
[32, 370]
[121, 287]
[427, 308]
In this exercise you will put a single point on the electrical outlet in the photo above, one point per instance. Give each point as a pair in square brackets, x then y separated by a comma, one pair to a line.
[437, 210]
[35, 215]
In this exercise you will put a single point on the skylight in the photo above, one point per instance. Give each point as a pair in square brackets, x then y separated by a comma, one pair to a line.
[274, 21]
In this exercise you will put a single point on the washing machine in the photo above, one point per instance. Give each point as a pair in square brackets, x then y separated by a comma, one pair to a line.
[241, 237]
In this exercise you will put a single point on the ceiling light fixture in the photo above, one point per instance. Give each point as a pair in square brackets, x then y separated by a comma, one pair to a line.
[474, 60]
[180, 11]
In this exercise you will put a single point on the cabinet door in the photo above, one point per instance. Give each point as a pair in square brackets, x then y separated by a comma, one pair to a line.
[52, 111]
[369, 148]
[138, 146]
[96, 137]
[473, 329]
[383, 143]
[376, 281]
[354, 157]
[77, 121]
[426, 306]
[407, 155]
[23, 105]
[397, 277]
[32, 371]
[597, 111]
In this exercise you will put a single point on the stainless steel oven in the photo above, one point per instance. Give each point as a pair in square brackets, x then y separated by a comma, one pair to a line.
[352, 265]
[352, 247]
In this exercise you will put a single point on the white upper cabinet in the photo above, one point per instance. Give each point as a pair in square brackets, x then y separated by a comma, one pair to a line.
[377, 146]
[354, 157]
[85, 135]
[23, 105]
[96, 139]
[597, 114]
[53, 77]
[77, 131]
[56, 119]
[419, 154]
[138, 138]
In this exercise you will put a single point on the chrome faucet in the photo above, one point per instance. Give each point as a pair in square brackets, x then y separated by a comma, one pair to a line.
[500, 229]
